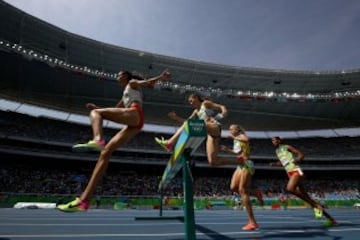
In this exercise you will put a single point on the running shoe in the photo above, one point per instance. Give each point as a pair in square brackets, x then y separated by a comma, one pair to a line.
[318, 212]
[163, 143]
[89, 146]
[76, 205]
[250, 227]
[330, 223]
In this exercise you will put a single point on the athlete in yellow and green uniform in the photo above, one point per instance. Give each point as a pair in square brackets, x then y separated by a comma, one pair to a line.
[241, 178]
[285, 154]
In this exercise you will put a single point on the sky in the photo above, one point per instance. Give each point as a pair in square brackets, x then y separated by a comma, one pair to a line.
[277, 34]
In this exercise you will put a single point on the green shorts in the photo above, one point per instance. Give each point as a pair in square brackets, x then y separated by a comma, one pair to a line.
[249, 165]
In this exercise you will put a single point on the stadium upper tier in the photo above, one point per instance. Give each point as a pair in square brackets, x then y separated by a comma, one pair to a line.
[51, 67]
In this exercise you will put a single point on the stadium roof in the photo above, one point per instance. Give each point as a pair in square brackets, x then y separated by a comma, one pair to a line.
[51, 67]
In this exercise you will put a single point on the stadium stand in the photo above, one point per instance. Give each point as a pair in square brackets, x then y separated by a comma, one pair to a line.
[36, 151]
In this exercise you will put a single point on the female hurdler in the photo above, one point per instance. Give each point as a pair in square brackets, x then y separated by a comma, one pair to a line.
[128, 112]
[204, 109]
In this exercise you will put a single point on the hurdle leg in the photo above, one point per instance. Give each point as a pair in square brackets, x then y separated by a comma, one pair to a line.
[161, 203]
[189, 218]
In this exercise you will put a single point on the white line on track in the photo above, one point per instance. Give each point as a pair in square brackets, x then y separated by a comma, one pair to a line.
[153, 224]
[86, 235]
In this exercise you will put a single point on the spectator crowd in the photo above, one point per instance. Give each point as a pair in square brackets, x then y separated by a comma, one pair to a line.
[29, 179]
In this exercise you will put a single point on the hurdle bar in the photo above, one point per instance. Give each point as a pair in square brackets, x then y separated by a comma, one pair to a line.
[191, 137]
[193, 134]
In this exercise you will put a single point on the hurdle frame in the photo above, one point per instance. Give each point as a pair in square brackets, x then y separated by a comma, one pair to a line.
[196, 131]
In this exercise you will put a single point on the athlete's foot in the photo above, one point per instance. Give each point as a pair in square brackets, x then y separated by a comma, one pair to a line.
[76, 205]
[164, 144]
[318, 211]
[330, 223]
[250, 227]
[91, 145]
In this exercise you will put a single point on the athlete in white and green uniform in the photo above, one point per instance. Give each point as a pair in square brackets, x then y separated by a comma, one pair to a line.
[285, 154]
[204, 109]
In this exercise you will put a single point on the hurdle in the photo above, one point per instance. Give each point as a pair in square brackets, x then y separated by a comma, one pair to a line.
[193, 134]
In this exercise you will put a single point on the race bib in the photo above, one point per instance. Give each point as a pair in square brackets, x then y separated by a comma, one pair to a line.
[285, 162]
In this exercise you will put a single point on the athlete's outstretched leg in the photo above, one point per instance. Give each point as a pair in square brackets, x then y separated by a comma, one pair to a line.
[294, 186]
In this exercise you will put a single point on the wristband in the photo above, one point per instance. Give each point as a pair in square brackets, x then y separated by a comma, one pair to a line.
[219, 116]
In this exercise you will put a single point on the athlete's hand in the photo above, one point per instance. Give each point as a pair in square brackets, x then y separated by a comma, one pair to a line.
[165, 75]
[91, 106]
[224, 148]
[172, 115]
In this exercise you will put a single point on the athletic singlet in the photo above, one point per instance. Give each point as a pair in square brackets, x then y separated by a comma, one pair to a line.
[131, 95]
[286, 158]
[243, 147]
[237, 146]
[205, 113]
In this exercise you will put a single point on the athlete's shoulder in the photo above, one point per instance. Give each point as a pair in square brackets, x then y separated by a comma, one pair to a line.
[133, 84]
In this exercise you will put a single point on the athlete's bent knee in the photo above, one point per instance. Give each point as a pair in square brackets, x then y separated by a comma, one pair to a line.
[94, 113]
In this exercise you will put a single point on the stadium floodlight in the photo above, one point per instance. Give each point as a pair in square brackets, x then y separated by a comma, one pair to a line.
[347, 95]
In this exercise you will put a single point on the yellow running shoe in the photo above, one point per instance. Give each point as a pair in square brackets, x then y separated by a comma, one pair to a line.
[89, 146]
[163, 143]
[318, 213]
[76, 205]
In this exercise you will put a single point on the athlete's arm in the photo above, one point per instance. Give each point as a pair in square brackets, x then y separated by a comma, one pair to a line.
[300, 155]
[120, 104]
[278, 163]
[242, 137]
[135, 84]
[176, 117]
[193, 114]
[223, 110]
[227, 149]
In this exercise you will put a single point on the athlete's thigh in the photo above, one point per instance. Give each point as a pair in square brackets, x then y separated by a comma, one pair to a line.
[212, 146]
[120, 115]
[213, 129]
[121, 137]
[235, 180]
[294, 181]
[245, 179]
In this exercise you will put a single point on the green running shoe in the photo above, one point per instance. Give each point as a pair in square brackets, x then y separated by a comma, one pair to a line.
[89, 146]
[163, 143]
[318, 213]
[74, 206]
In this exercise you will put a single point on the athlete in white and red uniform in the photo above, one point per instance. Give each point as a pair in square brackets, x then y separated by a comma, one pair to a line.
[128, 111]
